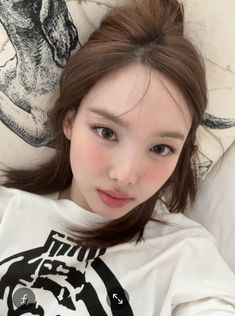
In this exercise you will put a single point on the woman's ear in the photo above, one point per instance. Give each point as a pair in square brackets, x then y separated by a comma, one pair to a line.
[68, 123]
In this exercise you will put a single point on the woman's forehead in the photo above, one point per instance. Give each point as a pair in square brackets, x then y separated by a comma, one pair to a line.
[137, 89]
[125, 85]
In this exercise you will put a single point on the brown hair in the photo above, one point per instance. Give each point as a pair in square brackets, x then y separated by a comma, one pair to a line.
[149, 32]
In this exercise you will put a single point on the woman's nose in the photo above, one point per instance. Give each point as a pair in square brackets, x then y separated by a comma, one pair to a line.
[125, 172]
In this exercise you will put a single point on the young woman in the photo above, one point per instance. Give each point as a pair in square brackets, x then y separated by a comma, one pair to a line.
[88, 233]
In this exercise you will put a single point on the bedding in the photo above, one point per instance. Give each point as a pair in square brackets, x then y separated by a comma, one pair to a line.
[35, 43]
[215, 205]
[209, 26]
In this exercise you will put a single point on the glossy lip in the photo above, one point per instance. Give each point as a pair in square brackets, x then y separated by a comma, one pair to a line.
[112, 201]
[117, 194]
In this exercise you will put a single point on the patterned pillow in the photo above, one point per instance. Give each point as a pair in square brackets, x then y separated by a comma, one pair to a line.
[36, 39]
[209, 26]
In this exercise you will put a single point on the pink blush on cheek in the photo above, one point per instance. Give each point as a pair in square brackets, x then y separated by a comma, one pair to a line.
[95, 158]
[157, 176]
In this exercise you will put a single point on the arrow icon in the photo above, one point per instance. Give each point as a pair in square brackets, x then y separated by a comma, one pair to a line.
[116, 297]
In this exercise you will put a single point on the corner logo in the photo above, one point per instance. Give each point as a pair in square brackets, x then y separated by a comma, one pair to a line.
[23, 298]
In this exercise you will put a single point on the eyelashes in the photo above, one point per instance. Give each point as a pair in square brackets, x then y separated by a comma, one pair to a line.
[107, 134]
[106, 131]
[164, 149]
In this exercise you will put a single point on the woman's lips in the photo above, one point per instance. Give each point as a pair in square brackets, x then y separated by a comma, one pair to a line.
[112, 201]
[117, 194]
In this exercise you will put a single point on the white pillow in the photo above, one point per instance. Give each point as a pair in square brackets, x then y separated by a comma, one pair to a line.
[215, 205]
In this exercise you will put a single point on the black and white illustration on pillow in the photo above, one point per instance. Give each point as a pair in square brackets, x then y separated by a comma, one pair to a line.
[43, 36]
[75, 280]
[213, 123]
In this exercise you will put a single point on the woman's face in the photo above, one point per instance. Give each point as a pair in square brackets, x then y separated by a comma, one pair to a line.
[126, 138]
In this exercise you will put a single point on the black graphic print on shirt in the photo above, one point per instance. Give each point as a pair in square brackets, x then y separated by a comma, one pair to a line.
[66, 279]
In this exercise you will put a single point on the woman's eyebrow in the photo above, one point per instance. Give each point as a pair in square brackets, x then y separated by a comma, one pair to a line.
[109, 116]
[163, 134]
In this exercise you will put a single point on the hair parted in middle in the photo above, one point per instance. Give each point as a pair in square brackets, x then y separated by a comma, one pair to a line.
[148, 32]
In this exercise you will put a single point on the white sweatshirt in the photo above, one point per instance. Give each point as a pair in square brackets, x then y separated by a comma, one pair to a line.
[176, 270]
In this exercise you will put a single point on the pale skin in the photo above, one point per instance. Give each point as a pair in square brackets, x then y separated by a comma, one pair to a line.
[136, 158]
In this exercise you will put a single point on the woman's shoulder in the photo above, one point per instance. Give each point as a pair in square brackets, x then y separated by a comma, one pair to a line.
[175, 228]
[7, 194]
[10, 197]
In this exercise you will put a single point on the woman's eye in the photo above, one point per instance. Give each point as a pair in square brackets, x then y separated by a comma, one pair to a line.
[105, 132]
[163, 150]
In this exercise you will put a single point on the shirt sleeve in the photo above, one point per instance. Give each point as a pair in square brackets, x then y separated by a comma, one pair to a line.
[6, 195]
[203, 284]
[205, 307]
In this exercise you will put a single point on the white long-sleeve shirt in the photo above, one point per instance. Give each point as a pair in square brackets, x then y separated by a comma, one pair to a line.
[176, 270]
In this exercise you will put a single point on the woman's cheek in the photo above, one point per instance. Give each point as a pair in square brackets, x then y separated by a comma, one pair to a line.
[95, 157]
[156, 175]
